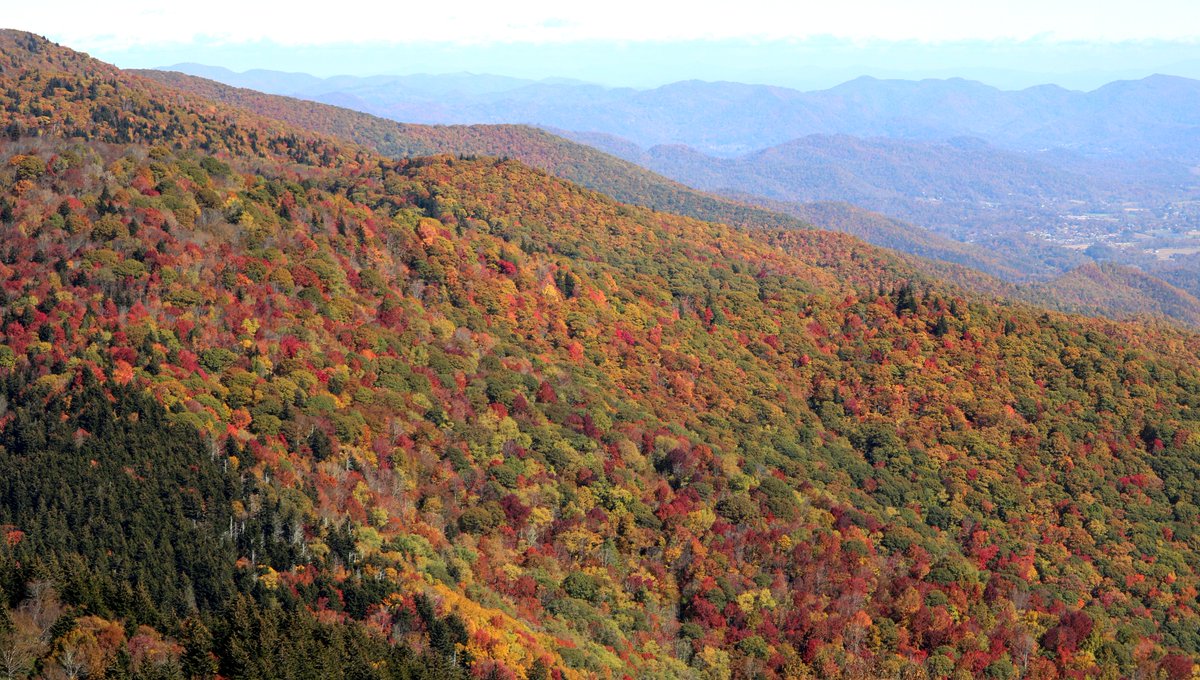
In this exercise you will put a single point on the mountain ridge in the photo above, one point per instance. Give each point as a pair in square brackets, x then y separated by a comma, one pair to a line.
[623, 180]
[1028, 119]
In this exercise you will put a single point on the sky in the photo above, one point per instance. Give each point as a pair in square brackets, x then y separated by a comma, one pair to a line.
[1077, 43]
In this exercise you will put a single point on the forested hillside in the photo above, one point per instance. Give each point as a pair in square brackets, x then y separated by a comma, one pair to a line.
[275, 406]
[1001, 256]
[569, 160]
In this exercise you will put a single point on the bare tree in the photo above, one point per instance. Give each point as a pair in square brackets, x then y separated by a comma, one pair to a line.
[70, 664]
[28, 637]
[1023, 648]
[20, 647]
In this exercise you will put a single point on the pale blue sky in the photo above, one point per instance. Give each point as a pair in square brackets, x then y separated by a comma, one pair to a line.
[1078, 43]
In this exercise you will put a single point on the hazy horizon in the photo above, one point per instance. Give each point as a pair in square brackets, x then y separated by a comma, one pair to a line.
[807, 65]
[1011, 45]
[803, 77]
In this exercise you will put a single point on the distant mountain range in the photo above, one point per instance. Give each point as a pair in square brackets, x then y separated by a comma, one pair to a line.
[1154, 116]
[992, 268]
[891, 172]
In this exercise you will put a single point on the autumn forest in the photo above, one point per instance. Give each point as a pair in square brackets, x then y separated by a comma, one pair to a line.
[281, 403]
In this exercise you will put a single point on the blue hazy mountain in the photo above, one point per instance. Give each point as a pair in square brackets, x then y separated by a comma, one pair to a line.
[1154, 116]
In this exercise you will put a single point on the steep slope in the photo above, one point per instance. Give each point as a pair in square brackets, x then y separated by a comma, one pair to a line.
[465, 414]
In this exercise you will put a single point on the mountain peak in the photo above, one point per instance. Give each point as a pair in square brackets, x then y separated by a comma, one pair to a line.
[24, 50]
